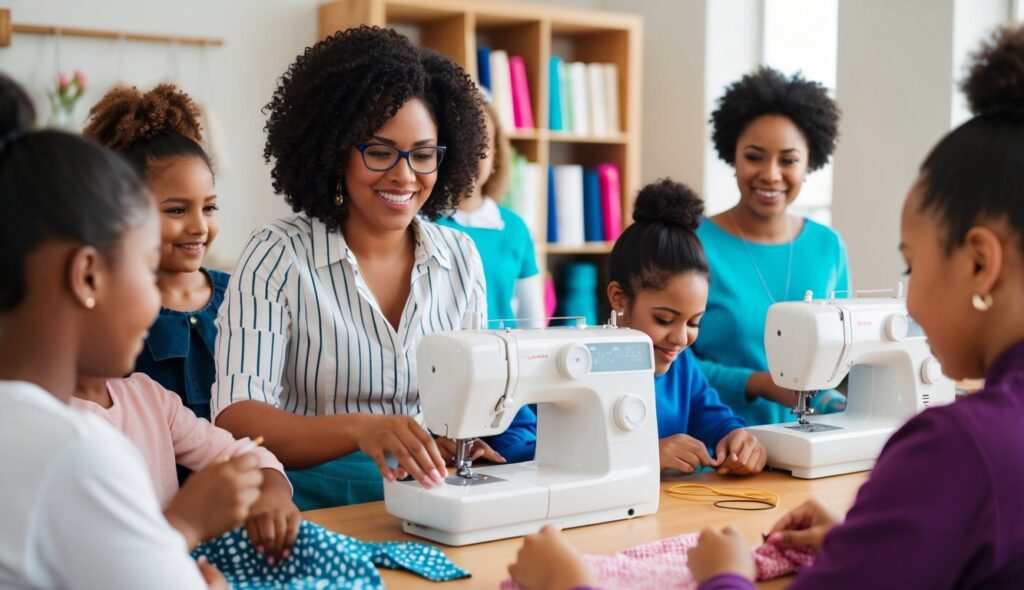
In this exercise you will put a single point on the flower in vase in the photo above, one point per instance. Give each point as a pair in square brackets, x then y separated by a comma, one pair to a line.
[62, 101]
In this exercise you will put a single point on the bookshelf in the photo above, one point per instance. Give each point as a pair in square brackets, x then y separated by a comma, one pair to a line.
[536, 32]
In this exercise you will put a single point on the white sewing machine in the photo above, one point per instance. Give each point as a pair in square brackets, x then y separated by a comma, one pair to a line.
[813, 345]
[597, 436]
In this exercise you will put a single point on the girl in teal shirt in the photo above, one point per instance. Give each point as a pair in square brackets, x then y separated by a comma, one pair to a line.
[773, 130]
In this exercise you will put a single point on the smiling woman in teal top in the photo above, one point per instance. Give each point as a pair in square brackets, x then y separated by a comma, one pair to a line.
[773, 130]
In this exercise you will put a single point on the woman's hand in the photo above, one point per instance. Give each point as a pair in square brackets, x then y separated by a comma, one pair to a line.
[406, 441]
[216, 499]
[804, 527]
[547, 561]
[683, 452]
[274, 520]
[479, 450]
[760, 384]
[721, 552]
[740, 452]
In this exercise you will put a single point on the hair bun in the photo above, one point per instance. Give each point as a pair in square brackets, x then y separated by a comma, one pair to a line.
[669, 202]
[995, 82]
[125, 115]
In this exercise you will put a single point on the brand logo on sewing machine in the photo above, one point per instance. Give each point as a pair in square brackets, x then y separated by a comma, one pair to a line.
[863, 323]
[536, 356]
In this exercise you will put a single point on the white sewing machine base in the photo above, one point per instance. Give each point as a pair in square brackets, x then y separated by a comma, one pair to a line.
[524, 500]
[809, 455]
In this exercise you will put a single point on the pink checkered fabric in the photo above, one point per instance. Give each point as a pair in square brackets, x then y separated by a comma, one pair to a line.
[662, 564]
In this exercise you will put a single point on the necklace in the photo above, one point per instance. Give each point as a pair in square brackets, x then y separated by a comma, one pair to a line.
[789, 266]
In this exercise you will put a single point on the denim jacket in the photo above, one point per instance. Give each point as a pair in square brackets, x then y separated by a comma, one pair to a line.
[179, 352]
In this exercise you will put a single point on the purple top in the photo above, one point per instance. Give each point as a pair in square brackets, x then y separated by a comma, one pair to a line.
[944, 507]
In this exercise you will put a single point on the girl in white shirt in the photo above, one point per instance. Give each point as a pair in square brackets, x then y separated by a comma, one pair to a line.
[80, 244]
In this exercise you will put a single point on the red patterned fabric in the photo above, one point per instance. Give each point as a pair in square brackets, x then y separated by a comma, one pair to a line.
[662, 564]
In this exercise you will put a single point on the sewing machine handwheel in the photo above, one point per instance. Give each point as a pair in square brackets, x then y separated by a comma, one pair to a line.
[574, 361]
[630, 412]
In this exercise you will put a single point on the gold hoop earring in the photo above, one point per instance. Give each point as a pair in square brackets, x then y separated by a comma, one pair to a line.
[89, 303]
[339, 198]
[982, 302]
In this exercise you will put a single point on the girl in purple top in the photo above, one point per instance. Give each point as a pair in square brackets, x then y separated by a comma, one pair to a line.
[942, 508]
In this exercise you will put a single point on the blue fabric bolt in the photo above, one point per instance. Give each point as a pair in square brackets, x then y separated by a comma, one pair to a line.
[323, 560]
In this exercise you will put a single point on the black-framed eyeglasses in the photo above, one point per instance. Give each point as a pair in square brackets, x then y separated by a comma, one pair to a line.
[381, 157]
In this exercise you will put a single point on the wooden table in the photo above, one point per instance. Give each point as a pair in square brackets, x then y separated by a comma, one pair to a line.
[488, 562]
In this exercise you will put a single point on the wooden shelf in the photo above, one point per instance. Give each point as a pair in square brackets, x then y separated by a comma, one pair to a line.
[524, 134]
[588, 248]
[562, 136]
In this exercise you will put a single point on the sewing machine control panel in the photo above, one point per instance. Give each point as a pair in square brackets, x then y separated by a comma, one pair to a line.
[612, 357]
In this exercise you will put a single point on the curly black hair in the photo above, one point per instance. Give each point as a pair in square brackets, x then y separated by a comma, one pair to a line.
[767, 91]
[341, 91]
[662, 242]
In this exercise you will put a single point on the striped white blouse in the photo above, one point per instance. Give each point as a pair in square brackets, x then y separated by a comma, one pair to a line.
[300, 329]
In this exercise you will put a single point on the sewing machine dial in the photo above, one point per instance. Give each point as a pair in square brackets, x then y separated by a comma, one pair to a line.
[574, 361]
[630, 412]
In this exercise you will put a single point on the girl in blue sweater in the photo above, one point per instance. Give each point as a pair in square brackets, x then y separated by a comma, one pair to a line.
[659, 285]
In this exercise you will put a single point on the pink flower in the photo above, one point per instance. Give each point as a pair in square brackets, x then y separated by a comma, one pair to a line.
[80, 79]
[62, 80]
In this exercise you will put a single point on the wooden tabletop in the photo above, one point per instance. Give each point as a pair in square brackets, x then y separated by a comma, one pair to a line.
[488, 562]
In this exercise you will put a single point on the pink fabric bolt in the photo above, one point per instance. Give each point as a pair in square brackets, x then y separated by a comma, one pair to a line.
[663, 564]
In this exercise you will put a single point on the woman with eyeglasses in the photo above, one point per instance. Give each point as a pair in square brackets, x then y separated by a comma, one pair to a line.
[316, 352]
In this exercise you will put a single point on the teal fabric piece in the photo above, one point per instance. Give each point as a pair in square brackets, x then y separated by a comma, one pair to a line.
[730, 346]
[352, 479]
[323, 560]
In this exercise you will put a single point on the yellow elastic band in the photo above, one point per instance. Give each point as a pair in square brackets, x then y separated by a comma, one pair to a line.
[696, 491]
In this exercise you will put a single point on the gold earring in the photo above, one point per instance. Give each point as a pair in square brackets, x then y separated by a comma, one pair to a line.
[89, 302]
[338, 197]
[982, 302]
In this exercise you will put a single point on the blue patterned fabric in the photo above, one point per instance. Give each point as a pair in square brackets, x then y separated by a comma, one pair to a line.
[323, 560]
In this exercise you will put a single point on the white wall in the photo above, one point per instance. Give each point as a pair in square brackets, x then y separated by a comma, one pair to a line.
[733, 48]
[672, 109]
[973, 21]
[262, 37]
[895, 86]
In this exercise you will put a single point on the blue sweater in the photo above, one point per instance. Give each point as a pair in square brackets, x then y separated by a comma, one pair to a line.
[686, 404]
[731, 342]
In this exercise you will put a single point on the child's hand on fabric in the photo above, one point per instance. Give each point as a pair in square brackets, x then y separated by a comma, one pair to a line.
[740, 452]
[211, 575]
[406, 441]
[683, 452]
[479, 449]
[721, 552]
[547, 561]
[273, 523]
[804, 527]
[216, 499]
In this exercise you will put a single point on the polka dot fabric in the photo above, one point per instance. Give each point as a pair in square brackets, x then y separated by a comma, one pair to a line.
[662, 564]
[323, 560]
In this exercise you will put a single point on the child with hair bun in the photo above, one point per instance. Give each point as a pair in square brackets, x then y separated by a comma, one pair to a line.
[659, 285]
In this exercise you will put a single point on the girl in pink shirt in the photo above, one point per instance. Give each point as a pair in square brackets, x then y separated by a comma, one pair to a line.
[167, 434]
